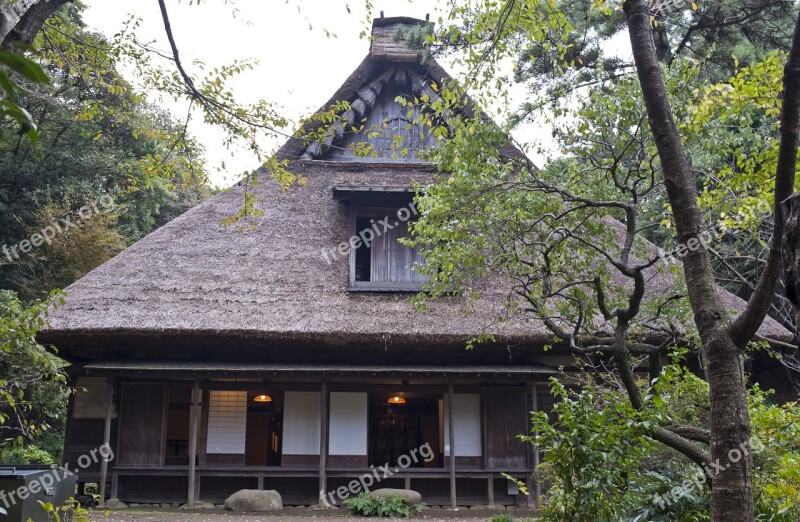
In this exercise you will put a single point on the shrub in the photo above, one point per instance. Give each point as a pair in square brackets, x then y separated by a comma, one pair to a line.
[657, 503]
[26, 455]
[509, 518]
[599, 464]
[592, 448]
[72, 511]
[396, 506]
[776, 464]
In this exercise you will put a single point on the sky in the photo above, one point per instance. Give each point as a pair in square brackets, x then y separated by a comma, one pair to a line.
[299, 65]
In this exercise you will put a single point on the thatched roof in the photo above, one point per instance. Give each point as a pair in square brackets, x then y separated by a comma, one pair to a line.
[195, 277]
[196, 289]
[194, 280]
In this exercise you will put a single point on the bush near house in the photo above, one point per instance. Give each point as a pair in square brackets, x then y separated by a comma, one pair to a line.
[395, 506]
[599, 465]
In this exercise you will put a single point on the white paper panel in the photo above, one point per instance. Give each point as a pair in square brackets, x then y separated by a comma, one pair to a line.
[227, 421]
[467, 421]
[348, 424]
[301, 423]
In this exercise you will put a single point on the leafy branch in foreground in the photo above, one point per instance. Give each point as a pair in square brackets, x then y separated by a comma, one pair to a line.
[25, 364]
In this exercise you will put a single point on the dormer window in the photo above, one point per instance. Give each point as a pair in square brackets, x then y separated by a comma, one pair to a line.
[379, 219]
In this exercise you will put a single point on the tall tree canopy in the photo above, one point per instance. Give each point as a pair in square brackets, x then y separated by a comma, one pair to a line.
[636, 150]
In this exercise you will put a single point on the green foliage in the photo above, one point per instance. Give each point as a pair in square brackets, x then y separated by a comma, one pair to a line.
[682, 30]
[599, 464]
[503, 518]
[99, 138]
[25, 366]
[594, 445]
[396, 506]
[652, 492]
[30, 454]
[776, 467]
[16, 65]
[72, 511]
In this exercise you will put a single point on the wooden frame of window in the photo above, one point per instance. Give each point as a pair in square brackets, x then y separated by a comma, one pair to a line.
[357, 210]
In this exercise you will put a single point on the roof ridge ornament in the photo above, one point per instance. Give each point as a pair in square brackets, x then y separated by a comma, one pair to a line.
[389, 38]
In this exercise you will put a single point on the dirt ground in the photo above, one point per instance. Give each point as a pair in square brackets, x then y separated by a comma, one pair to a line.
[290, 515]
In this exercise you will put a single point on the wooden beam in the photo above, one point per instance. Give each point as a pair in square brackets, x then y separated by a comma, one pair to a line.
[452, 442]
[202, 451]
[323, 441]
[537, 488]
[106, 438]
[194, 419]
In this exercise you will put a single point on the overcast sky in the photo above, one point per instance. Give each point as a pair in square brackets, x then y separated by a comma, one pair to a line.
[299, 66]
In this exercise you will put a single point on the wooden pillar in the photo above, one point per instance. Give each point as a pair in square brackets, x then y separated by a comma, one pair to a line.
[537, 488]
[452, 443]
[194, 419]
[490, 490]
[106, 439]
[114, 484]
[323, 441]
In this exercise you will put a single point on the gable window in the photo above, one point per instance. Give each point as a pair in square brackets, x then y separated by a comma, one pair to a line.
[379, 262]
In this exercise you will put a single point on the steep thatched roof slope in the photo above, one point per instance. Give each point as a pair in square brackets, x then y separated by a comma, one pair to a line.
[198, 287]
[194, 277]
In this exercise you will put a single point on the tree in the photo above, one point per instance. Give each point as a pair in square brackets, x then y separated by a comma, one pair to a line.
[106, 162]
[722, 338]
[588, 279]
[722, 35]
[99, 140]
[724, 38]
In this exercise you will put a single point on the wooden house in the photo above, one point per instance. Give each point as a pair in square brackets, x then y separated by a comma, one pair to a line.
[280, 357]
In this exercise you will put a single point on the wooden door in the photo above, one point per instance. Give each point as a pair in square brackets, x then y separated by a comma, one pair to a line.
[141, 431]
[505, 414]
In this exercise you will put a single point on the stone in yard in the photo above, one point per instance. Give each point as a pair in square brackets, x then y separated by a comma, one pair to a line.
[114, 503]
[254, 500]
[413, 496]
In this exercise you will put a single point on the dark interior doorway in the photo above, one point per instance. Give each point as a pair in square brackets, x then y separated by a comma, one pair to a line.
[176, 445]
[264, 430]
[399, 429]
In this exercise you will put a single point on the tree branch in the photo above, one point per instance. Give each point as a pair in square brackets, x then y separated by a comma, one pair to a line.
[746, 325]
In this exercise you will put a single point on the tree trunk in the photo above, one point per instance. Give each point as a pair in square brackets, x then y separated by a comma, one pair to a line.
[722, 339]
[730, 472]
[791, 255]
[21, 20]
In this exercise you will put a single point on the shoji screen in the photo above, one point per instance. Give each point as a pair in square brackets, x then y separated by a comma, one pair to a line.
[301, 423]
[227, 422]
[348, 424]
[467, 421]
